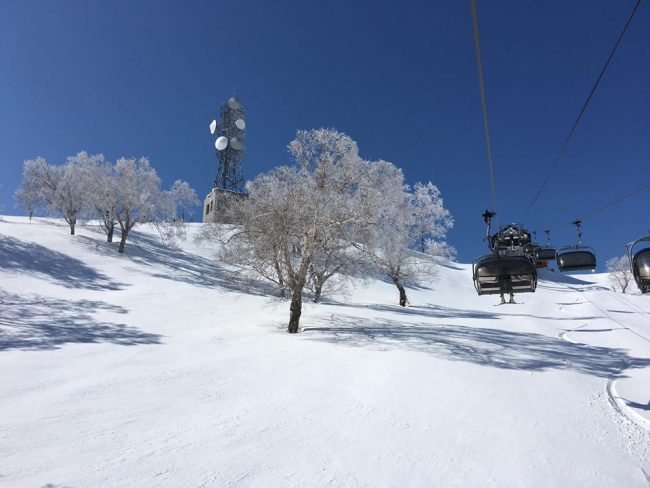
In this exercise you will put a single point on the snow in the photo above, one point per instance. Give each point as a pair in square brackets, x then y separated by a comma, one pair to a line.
[151, 369]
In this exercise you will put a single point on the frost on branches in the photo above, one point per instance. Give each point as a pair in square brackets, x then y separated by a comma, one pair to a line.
[298, 218]
[89, 187]
[403, 221]
[620, 275]
[328, 214]
[57, 187]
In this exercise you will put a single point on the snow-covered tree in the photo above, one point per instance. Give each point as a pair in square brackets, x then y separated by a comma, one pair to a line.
[431, 219]
[294, 216]
[139, 197]
[60, 187]
[402, 221]
[440, 249]
[183, 198]
[388, 240]
[100, 190]
[28, 197]
[619, 273]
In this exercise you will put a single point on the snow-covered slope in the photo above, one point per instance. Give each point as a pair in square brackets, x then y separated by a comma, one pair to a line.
[150, 369]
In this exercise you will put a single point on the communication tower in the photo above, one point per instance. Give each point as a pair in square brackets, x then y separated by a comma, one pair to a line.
[230, 148]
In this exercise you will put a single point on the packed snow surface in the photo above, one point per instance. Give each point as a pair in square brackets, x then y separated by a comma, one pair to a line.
[151, 369]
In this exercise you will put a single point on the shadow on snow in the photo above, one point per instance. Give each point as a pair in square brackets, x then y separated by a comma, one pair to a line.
[485, 346]
[161, 261]
[28, 257]
[36, 322]
[439, 312]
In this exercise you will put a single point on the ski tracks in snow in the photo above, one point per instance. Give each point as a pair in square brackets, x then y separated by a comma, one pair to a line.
[633, 427]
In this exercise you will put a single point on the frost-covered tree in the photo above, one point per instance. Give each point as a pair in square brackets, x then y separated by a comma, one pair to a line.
[139, 197]
[60, 187]
[402, 221]
[619, 273]
[440, 249]
[183, 198]
[431, 219]
[387, 242]
[28, 197]
[100, 190]
[295, 215]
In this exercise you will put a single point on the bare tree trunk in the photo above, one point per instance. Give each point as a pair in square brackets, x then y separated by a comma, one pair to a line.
[296, 310]
[73, 222]
[278, 271]
[31, 213]
[109, 234]
[125, 233]
[318, 291]
[402, 292]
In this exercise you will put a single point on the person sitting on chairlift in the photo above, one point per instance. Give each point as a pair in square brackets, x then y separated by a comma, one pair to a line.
[505, 286]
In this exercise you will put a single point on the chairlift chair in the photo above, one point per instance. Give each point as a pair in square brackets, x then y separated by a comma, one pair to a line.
[576, 257]
[640, 264]
[492, 270]
[508, 267]
[546, 253]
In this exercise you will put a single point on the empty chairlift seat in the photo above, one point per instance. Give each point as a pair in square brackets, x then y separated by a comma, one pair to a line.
[576, 259]
[545, 254]
[641, 269]
[493, 271]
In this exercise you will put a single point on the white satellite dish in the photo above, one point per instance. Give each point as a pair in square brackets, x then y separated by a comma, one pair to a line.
[221, 143]
[240, 123]
[234, 103]
[236, 144]
[213, 126]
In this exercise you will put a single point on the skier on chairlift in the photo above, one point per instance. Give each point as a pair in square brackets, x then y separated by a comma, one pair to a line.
[505, 286]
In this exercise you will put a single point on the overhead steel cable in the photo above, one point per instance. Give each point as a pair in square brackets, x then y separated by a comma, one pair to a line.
[582, 110]
[486, 129]
[607, 205]
[619, 199]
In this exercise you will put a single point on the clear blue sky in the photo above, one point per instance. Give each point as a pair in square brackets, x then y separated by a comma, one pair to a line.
[146, 78]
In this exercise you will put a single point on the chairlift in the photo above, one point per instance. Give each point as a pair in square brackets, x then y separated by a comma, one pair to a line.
[640, 264]
[508, 267]
[544, 253]
[491, 271]
[576, 257]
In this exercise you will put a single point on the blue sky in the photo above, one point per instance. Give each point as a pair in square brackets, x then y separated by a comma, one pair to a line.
[146, 78]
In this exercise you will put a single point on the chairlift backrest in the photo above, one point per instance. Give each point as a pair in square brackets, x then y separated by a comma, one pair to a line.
[640, 264]
[576, 258]
[493, 273]
[545, 253]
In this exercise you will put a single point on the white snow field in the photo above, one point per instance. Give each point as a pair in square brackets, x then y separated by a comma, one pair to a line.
[149, 370]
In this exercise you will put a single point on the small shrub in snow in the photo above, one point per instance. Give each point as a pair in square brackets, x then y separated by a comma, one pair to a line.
[620, 275]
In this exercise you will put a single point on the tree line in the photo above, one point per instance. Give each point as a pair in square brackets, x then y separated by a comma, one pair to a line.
[120, 194]
[307, 227]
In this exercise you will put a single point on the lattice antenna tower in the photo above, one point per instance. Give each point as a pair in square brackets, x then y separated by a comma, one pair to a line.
[230, 145]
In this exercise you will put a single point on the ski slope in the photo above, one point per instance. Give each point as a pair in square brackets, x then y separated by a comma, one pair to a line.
[151, 369]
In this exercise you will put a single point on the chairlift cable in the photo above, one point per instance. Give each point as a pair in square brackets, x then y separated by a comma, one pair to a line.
[607, 205]
[582, 110]
[486, 130]
[619, 199]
